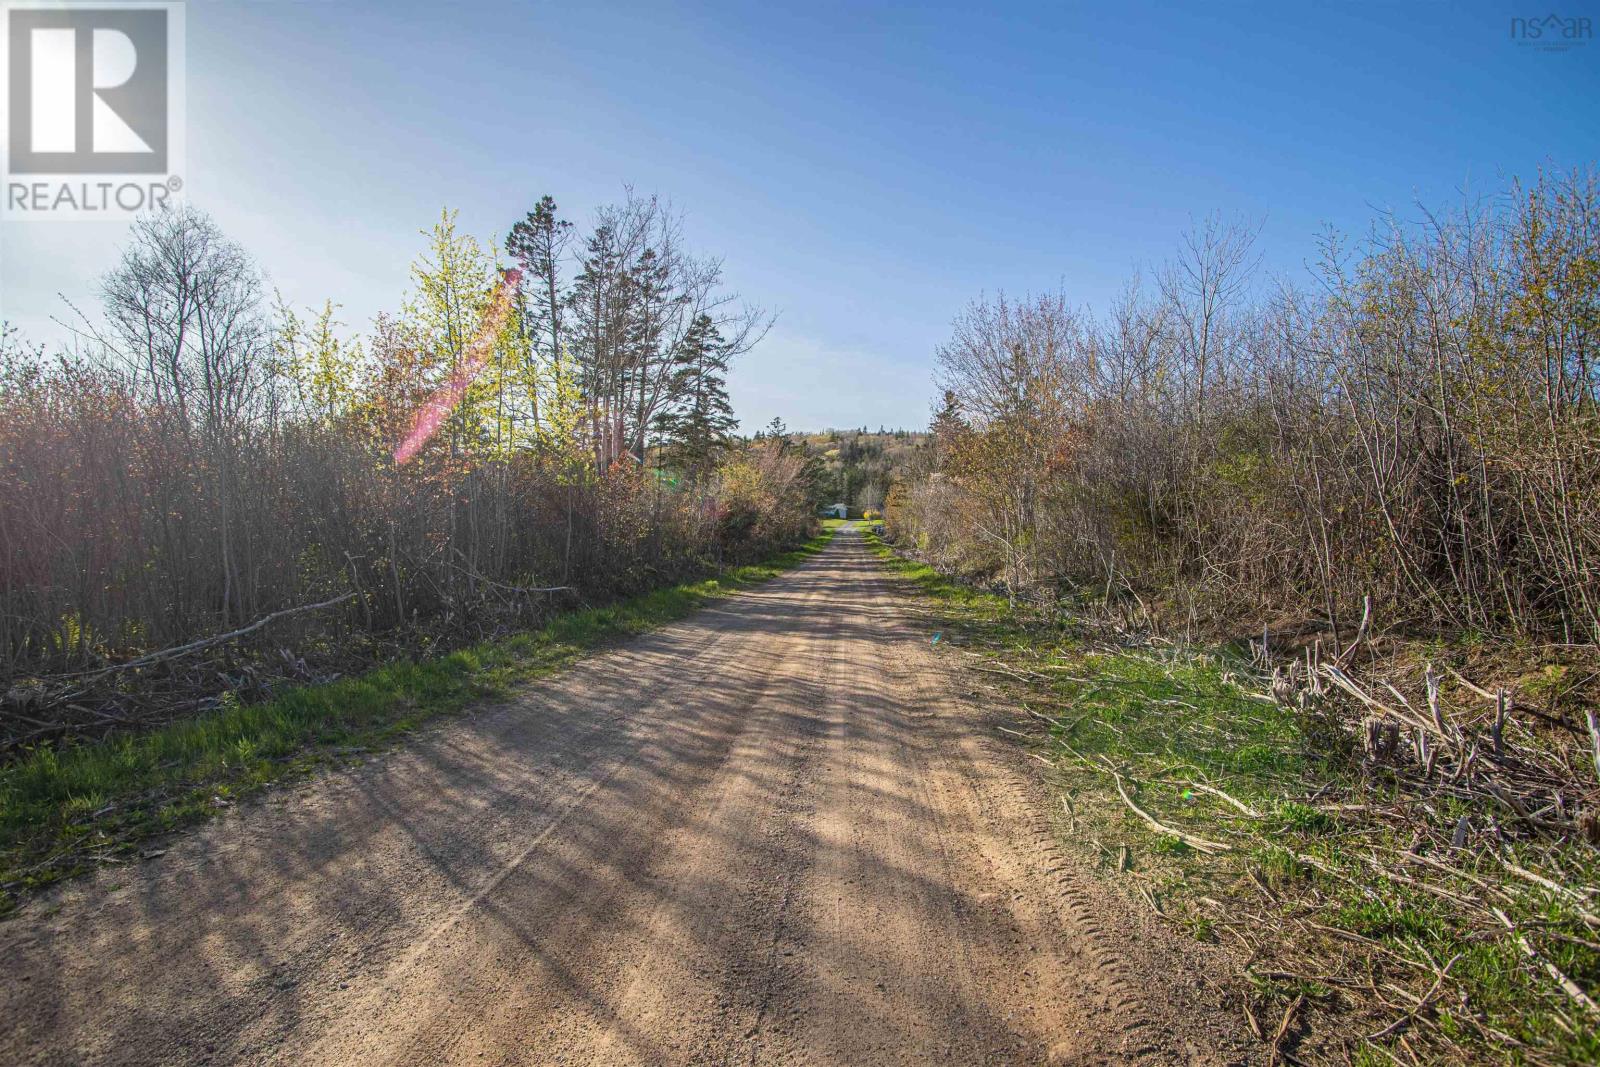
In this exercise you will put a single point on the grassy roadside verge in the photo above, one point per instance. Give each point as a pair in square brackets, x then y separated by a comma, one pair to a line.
[62, 811]
[1257, 827]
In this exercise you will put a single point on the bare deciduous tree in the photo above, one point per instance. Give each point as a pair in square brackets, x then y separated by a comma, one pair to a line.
[1422, 431]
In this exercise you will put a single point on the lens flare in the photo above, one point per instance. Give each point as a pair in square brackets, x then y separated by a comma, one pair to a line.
[437, 408]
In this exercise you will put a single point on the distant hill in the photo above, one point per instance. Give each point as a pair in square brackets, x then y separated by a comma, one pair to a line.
[860, 466]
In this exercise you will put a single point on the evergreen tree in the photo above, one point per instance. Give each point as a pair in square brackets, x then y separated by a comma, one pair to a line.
[949, 424]
[537, 244]
[699, 427]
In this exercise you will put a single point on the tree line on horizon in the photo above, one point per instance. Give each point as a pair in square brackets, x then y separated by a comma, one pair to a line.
[858, 467]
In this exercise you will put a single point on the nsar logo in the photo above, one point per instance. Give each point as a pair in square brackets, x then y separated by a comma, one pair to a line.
[1552, 33]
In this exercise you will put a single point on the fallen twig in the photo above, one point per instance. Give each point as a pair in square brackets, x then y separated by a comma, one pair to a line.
[1250, 1017]
[1021, 676]
[1276, 1053]
[1559, 890]
[1411, 1015]
[524, 589]
[196, 646]
[1594, 737]
[1214, 791]
[1361, 633]
[1567, 985]
[1189, 839]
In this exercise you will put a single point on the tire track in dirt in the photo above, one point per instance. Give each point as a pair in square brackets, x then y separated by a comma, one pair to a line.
[1131, 997]
[478, 992]
[768, 834]
[228, 911]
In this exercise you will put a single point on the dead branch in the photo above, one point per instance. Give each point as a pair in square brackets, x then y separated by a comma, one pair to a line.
[197, 646]
[1361, 633]
[1567, 985]
[1572, 899]
[1189, 839]
[1214, 791]
[1276, 1054]
[1594, 737]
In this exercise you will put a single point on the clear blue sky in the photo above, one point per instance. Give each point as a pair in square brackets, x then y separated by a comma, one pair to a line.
[864, 170]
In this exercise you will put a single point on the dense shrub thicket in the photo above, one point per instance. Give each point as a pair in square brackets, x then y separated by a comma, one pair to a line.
[201, 462]
[1420, 429]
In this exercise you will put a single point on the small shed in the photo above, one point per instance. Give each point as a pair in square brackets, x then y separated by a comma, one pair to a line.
[836, 511]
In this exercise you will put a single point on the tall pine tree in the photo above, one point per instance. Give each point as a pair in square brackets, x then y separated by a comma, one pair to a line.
[696, 430]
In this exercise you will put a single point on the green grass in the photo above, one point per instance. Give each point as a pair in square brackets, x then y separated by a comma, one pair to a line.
[1170, 721]
[63, 810]
[974, 606]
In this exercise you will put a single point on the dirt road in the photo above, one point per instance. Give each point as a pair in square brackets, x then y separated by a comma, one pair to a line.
[772, 833]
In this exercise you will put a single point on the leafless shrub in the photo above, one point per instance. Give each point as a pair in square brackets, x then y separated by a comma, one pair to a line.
[203, 467]
[1423, 431]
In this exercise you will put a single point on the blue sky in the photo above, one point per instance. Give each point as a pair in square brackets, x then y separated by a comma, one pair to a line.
[864, 170]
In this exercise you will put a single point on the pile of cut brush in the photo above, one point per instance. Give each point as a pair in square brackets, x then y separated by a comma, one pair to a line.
[1535, 774]
[244, 665]
[1484, 798]
[155, 687]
